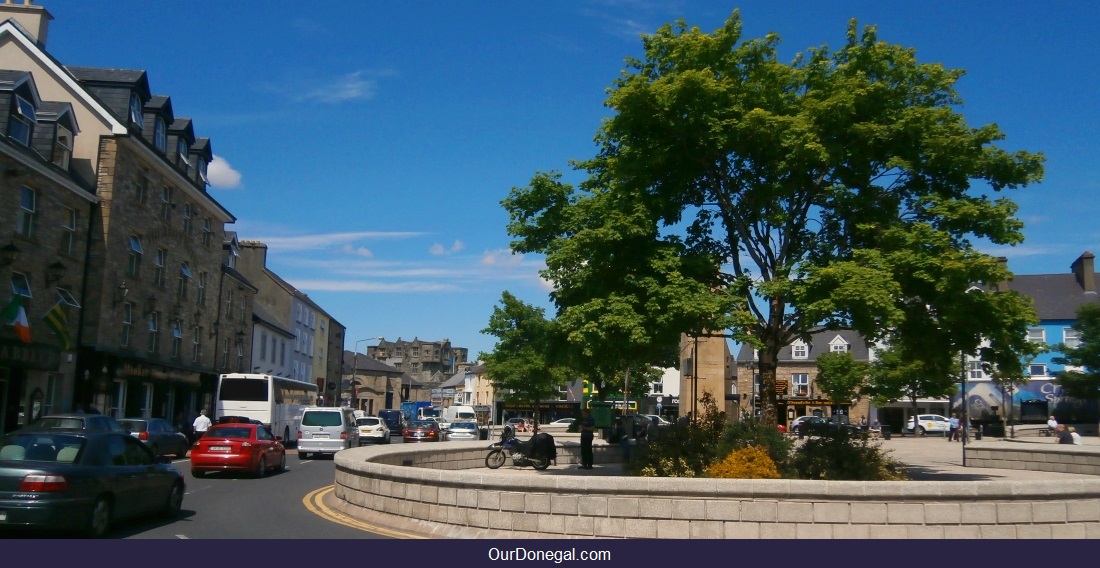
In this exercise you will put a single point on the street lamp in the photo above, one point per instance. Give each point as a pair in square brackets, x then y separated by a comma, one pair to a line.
[355, 368]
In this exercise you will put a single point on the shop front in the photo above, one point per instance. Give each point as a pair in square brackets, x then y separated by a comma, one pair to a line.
[33, 382]
[546, 411]
[122, 387]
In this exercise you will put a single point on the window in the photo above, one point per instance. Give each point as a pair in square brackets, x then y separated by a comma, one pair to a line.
[240, 358]
[229, 303]
[63, 147]
[165, 202]
[66, 297]
[186, 218]
[21, 121]
[1069, 338]
[1037, 370]
[201, 167]
[207, 233]
[28, 206]
[1037, 335]
[201, 289]
[136, 116]
[225, 352]
[160, 135]
[177, 338]
[801, 384]
[656, 388]
[196, 346]
[263, 345]
[282, 353]
[141, 185]
[158, 261]
[799, 350]
[185, 278]
[118, 400]
[975, 368]
[181, 151]
[127, 323]
[135, 256]
[154, 320]
[20, 286]
[68, 230]
[146, 400]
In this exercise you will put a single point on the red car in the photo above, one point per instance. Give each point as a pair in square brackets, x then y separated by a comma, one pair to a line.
[238, 447]
[423, 431]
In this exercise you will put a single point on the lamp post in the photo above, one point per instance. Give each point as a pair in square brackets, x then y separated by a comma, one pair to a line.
[965, 408]
[355, 369]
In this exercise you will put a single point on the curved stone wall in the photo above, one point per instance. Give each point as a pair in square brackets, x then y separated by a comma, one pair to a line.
[427, 488]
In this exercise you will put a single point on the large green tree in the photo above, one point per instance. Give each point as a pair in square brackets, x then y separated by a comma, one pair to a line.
[842, 188]
[526, 363]
[841, 376]
[898, 373]
[1083, 381]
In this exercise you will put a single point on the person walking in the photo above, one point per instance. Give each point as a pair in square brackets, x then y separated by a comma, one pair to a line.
[201, 424]
[588, 432]
[953, 428]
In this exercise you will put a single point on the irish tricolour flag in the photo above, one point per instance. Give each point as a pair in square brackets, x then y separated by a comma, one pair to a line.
[15, 314]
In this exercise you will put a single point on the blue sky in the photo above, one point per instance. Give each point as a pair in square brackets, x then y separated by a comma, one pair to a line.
[370, 144]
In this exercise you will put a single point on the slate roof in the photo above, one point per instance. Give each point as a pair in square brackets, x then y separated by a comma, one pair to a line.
[135, 77]
[820, 342]
[1056, 296]
[364, 363]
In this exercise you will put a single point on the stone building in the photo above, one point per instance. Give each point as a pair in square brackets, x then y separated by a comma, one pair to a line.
[706, 367]
[425, 361]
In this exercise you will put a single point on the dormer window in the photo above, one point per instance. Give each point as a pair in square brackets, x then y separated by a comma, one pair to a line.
[201, 166]
[63, 147]
[799, 350]
[135, 111]
[181, 149]
[160, 135]
[838, 345]
[22, 121]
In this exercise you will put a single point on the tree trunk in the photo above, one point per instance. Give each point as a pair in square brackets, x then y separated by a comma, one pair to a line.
[768, 363]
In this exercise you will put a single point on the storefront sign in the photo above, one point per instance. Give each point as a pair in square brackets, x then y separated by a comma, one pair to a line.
[29, 356]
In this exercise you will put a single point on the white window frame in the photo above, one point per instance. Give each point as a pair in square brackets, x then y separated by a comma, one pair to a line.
[196, 344]
[160, 135]
[159, 260]
[1070, 338]
[184, 279]
[137, 113]
[118, 399]
[20, 285]
[1037, 370]
[1037, 335]
[800, 384]
[127, 320]
[153, 326]
[800, 350]
[974, 369]
[63, 147]
[177, 338]
[28, 211]
[68, 230]
[136, 253]
[21, 122]
[146, 410]
[186, 213]
[165, 202]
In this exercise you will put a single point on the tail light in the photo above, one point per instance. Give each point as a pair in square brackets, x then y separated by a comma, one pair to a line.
[299, 434]
[37, 483]
[143, 435]
[405, 433]
[344, 435]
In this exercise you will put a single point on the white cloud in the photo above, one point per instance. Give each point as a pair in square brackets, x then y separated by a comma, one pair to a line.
[368, 286]
[350, 87]
[358, 251]
[438, 249]
[501, 257]
[222, 175]
[326, 240]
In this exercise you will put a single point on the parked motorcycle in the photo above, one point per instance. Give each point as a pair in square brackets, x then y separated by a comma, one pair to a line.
[537, 453]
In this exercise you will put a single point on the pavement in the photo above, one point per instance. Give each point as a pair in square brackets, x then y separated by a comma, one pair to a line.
[929, 458]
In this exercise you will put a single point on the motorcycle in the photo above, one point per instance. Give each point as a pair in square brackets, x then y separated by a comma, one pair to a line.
[537, 453]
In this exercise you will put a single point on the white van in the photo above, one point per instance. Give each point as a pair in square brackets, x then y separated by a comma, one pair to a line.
[326, 430]
[457, 413]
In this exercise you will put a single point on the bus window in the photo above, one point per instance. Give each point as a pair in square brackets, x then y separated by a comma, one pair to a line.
[243, 389]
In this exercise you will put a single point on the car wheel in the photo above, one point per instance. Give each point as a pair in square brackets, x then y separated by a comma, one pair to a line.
[282, 463]
[261, 466]
[286, 435]
[155, 449]
[100, 521]
[175, 501]
[197, 473]
[303, 455]
[920, 430]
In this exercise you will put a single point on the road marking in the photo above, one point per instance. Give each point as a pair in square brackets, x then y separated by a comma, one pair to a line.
[182, 537]
[314, 503]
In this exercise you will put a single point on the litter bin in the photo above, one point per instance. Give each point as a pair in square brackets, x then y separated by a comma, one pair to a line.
[885, 432]
[978, 432]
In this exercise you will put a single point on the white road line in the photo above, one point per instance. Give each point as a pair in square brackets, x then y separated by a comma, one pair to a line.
[182, 537]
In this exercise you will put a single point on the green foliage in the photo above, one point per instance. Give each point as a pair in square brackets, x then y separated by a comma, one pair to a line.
[898, 373]
[752, 433]
[840, 375]
[684, 449]
[526, 360]
[838, 454]
[750, 462]
[1084, 384]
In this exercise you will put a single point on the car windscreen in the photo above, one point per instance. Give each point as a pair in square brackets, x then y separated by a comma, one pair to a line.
[60, 422]
[321, 418]
[229, 432]
[41, 447]
[463, 426]
[134, 425]
[423, 424]
[249, 390]
[367, 421]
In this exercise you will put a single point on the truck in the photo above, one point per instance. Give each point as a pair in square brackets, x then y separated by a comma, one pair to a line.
[456, 413]
[411, 409]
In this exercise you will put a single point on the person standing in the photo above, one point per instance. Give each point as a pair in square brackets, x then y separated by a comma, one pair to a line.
[953, 428]
[588, 432]
[201, 424]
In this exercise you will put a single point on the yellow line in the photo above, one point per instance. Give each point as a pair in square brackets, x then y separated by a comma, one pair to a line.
[313, 502]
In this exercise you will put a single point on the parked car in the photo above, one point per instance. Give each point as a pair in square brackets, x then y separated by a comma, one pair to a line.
[82, 480]
[372, 429]
[238, 447]
[658, 420]
[798, 422]
[96, 422]
[423, 431]
[463, 431]
[326, 430]
[517, 424]
[561, 423]
[929, 423]
[161, 437]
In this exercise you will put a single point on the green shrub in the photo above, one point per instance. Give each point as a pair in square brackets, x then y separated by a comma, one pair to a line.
[750, 432]
[838, 454]
[751, 462]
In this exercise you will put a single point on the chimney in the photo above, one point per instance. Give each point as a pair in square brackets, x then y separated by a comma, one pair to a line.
[1002, 286]
[34, 19]
[1084, 272]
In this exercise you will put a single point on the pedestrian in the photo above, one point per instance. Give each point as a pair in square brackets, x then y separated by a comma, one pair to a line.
[953, 428]
[588, 432]
[1076, 437]
[862, 422]
[1064, 436]
[1052, 426]
[201, 424]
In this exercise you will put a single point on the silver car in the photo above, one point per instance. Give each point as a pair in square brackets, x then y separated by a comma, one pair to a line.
[463, 431]
[326, 430]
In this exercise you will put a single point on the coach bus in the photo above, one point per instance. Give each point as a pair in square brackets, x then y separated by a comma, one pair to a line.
[276, 402]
